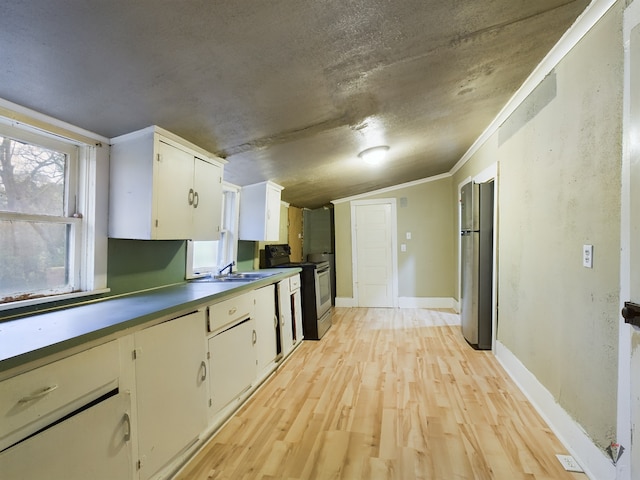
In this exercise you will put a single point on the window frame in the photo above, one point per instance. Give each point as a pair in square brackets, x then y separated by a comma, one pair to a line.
[80, 213]
[228, 246]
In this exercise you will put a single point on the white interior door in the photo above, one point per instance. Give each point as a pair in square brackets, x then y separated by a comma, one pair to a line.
[374, 253]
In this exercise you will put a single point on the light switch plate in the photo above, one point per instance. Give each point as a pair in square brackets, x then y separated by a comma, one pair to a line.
[587, 256]
[408, 235]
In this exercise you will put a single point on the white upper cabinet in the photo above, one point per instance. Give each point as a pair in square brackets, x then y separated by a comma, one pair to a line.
[163, 188]
[260, 212]
[207, 211]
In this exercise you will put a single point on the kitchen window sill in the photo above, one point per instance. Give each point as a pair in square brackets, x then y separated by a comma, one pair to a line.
[48, 299]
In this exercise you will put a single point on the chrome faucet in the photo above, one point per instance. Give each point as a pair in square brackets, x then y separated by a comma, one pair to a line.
[230, 266]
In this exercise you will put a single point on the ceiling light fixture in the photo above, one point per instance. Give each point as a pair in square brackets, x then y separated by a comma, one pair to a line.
[374, 155]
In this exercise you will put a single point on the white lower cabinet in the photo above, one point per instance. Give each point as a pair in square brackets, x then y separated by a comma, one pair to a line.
[93, 443]
[67, 420]
[135, 408]
[284, 311]
[290, 311]
[170, 372]
[296, 309]
[266, 329]
[232, 362]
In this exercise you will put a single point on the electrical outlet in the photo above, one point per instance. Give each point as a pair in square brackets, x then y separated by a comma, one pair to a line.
[403, 247]
[587, 256]
[569, 463]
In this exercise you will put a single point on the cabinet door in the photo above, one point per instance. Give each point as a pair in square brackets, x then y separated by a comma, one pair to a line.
[171, 393]
[232, 363]
[153, 185]
[173, 193]
[273, 214]
[207, 211]
[297, 316]
[266, 343]
[286, 318]
[260, 212]
[91, 444]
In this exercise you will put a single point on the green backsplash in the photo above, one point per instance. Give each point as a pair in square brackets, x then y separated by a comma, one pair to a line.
[141, 264]
[246, 255]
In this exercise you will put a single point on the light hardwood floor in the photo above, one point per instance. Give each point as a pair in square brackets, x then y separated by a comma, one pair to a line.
[386, 394]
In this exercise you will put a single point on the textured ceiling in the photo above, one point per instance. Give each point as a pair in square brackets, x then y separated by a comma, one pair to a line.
[289, 91]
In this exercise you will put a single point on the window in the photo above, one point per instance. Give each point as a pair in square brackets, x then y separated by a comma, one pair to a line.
[205, 258]
[42, 204]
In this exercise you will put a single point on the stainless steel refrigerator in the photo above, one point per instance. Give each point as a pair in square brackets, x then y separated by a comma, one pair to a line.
[476, 215]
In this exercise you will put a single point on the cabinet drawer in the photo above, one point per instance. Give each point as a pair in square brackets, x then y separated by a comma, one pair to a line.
[294, 282]
[37, 398]
[223, 314]
[94, 444]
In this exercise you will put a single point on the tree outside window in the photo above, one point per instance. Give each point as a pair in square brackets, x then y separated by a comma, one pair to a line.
[34, 223]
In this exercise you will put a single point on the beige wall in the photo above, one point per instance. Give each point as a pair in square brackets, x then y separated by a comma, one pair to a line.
[558, 162]
[344, 262]
[559, 188]
[426, 269]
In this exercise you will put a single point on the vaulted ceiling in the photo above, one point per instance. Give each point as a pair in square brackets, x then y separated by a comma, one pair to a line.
[285, 90]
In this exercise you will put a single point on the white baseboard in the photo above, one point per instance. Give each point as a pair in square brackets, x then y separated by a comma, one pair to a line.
[456, 305]
[346, 302]
[594, 462]
[426, 302]
[407, 302]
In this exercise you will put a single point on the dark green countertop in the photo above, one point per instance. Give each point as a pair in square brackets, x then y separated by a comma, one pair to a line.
[35, 337]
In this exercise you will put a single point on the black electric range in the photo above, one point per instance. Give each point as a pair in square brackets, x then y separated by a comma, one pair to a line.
[315, 280]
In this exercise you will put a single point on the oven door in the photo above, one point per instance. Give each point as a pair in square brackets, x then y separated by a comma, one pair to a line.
[323, 289]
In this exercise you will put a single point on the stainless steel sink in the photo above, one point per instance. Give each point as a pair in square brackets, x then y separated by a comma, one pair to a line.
[238, 277]
[250, 275]
[246, 275]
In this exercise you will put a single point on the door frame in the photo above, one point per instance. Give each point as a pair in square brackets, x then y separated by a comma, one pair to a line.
[625, 407]
[394, 246]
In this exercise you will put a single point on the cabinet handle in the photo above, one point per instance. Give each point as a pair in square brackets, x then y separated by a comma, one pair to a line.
[190, 196]
[275, 321]
[196, 199]
[127, 427]
[254, 337]
[232, 310]
[204, 371]
[35, 396]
